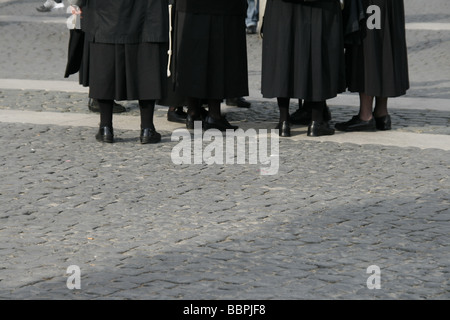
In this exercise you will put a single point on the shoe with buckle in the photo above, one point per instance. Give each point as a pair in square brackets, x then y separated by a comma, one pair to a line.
[105, 134]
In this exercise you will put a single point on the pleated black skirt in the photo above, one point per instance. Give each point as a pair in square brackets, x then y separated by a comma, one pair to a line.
[124, 71]
[211, 56]
[379, 67]
[303, 50]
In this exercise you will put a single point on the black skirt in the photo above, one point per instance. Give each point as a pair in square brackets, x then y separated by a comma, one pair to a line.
[124, 71]
[210, 55]
[379, 67]
[303, 50]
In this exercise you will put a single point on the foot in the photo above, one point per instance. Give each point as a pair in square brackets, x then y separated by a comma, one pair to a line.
[177, 115]
[149, 135]
[238, 102]
[284, 129]
[221, 124]
[356, 124]
[105, 134]
[383, 123]
[317, 129]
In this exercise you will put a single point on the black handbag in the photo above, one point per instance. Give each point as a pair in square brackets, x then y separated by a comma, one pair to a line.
[75, 52]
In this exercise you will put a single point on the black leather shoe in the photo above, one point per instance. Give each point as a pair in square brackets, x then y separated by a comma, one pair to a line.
[105, 134]
[284, 129]
[238, 102]
[356, 124]
[317, 129]
[177, 116]
[221, 124]
[94, 107]
[383, 123]
[201, 115]
[149, 135]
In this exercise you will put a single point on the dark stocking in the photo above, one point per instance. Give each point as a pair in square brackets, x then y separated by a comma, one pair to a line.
[147, 108]
[106, 112]
[317, 110]
[214, 109]
[283, 105]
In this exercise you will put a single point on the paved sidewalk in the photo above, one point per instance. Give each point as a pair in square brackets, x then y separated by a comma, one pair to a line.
[141, 227]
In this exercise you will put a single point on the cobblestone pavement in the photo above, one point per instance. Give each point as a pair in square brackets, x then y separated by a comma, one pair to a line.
[141, 227]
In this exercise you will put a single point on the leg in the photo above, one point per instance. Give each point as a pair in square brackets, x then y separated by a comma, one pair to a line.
[381, 107]
[381, 114]
[283, 126]
[148, 131]
[365, 107]
[105, 133]
[364, 121]
[215, 120]
[319, 125]
[193, 112]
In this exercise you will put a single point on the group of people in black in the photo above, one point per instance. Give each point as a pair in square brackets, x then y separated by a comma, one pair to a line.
[193, 53]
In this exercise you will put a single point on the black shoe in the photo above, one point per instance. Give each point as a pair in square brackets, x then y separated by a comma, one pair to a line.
[284, 129]
[94, 107]
[317, 129]
[356, 124]
[238, 102]
[105, 134]
[177, 116]
[221, 124]
[43, 8]
[383, 123]
[149, 135]
[201, 115]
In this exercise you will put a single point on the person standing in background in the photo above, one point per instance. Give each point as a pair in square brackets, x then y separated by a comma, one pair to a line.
[125, 58]
[303, 58]
[211, 57]
[252, 16]
[377, 66]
